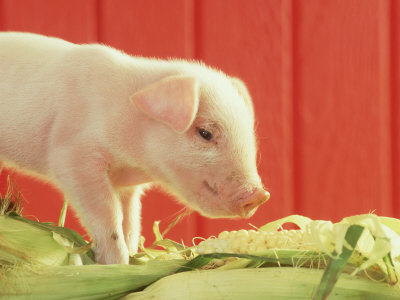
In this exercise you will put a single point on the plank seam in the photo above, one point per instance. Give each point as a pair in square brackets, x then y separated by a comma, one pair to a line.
[288, 123]
[385, 100]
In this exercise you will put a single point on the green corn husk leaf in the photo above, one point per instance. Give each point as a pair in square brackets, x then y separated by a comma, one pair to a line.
[261, 283]
[336, 265]
[171, 249]
[80, 282]
[27, 241]
[300, 221]
[384, 239]
[67, 233]
[271, 257]
[204, 259]
[392, 223]
[169, 245]
[240, 263]
[10, 211]
[296, 258]
[156, 231]
[21, 242]
[376, 242]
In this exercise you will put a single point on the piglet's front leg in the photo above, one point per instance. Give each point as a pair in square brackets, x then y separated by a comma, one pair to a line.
[89, 191]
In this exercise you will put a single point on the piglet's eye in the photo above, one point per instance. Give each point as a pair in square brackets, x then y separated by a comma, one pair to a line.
[205, 134]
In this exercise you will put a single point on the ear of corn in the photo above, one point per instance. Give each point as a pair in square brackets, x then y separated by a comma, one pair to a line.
[353, 245]
[32, 242]
[23, 243]
[375, 243]
[80, 282]
[263, 283]
[27, 241]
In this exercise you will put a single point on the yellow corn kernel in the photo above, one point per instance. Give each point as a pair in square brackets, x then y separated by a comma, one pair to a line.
[251, 241]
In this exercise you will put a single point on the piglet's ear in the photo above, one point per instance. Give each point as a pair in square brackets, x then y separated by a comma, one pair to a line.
[244, 92]
[173, 100]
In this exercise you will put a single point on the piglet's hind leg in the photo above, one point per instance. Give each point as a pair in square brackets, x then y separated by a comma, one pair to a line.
[131, 207]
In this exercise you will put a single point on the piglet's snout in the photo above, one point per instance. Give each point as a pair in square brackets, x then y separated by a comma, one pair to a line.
[249, 205]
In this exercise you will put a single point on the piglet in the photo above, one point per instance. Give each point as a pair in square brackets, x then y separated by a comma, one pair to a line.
[102, 126]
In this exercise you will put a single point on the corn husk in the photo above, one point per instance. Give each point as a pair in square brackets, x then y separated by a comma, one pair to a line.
[80, 282]
[261, 283]
[27, 241]
[23, 243]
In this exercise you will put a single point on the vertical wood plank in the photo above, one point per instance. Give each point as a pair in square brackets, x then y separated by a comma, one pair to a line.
[385, 114]
[395, 95]
[287, 122]
[2, 15]
[162, 29]
[244, 39]
[341, 110]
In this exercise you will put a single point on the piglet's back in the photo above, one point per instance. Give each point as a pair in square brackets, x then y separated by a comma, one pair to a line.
[29, 88]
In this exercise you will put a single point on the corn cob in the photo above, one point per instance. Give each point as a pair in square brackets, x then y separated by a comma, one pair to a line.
[252, 242]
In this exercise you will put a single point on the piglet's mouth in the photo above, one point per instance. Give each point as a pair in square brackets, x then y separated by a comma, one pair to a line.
[245, 205]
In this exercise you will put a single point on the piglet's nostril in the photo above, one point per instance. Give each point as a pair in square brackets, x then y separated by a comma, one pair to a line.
[249, 206]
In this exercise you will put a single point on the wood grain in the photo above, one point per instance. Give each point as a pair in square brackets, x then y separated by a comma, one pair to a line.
[339, 107]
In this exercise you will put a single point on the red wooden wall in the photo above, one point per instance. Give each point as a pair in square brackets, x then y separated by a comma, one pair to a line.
[324, 76]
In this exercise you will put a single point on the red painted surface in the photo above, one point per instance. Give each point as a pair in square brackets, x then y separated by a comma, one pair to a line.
[324, 77]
